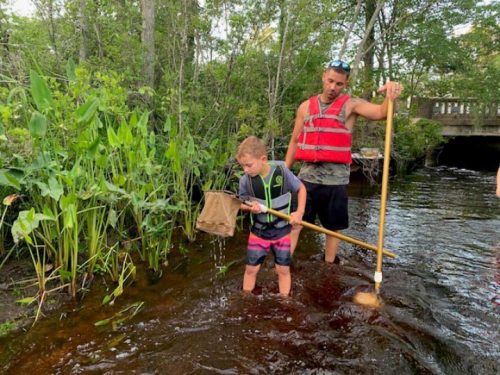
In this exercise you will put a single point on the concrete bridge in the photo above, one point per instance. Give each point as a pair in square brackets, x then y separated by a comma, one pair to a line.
[461, 117]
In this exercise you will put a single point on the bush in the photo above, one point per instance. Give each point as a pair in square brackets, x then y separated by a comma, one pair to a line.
[413, 140]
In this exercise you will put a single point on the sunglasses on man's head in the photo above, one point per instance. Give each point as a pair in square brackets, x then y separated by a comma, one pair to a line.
[340, 64]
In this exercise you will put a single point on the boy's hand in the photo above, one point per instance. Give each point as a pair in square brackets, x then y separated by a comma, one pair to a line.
[255, 208]
[296, 218]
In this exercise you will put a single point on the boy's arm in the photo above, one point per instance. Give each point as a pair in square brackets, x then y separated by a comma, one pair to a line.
[296, 216]
[244, 191]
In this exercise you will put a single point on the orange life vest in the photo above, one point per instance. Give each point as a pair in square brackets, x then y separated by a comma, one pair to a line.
[324, 138]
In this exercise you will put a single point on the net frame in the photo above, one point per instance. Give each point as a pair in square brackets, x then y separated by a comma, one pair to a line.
[219, 213]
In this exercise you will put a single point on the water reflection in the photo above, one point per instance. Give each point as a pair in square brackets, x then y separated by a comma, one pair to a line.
[440, 313]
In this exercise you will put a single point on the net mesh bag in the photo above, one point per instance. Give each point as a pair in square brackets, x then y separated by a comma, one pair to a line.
[218, 215]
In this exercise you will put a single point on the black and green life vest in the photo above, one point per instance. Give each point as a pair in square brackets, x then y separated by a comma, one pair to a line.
[270, 194]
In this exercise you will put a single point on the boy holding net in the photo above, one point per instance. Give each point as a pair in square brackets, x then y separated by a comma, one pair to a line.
[268, 184]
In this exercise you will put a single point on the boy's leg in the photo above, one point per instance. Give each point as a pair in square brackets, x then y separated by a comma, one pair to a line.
[282, 258]
[284, 279]
[257, 249]
[250, 277]
[294, 237]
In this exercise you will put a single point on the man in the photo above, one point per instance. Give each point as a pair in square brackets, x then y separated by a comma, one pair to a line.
[322, 139]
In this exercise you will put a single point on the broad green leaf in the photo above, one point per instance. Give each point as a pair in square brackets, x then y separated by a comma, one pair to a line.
[64, 274]
[125, 134]
[40, 92]
[8, 179]
[113, 139]
[168, 125]
[119, 180]
[55, 188]
[142, 125]
[38, 125]
[47, 211]
[112, 218]
[44, 188]
[86, 112]
[93, 148]
[26, 223]
[70, 70]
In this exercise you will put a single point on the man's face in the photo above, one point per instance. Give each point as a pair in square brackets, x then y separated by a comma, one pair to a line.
[333, 84]
[252, 166]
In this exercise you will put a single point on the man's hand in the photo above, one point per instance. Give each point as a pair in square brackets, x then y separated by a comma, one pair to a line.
[392, 90]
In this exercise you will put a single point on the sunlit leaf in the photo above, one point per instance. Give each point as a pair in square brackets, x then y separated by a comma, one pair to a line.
[8, 179]
[38, 125]
[168, 125]
[86, 112]
[112, 218]
[113, 139]
[40, 92]
[125, 134]
[55, 188]
[70, 70]
[26, 223]
[102, 322]
[26, 301]
[92, 149]
[106, 299]
[118, 291]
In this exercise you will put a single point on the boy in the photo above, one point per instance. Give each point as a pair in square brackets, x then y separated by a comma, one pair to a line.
[270, 184]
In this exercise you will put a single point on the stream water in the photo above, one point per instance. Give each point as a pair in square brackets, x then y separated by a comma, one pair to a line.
[440, 314]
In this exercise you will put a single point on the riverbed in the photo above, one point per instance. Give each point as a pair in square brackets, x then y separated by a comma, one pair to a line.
[440, 313]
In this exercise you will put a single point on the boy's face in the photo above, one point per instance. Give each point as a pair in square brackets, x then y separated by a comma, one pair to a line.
[252, 166]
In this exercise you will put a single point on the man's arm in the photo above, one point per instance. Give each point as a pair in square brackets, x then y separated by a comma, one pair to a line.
[297, 129]
[372, 111]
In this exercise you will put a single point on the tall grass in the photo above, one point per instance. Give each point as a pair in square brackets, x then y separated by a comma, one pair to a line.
[101, 183]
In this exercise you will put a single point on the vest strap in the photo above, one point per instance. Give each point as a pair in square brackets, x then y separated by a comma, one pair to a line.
[318, 129]
[303, 146]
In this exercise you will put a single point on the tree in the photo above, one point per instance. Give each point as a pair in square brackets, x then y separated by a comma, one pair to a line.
[148, 40]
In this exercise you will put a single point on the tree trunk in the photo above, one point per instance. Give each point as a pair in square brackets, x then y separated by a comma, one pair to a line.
[368, 52]
[349, 31]
[82, 19]
[148, 41]
[361, 47]
[274, 82]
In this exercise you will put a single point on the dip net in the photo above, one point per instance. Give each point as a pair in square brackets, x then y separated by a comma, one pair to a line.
[218, 215]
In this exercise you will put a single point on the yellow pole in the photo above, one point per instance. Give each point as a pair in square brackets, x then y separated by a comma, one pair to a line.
[332, 233]
[383, 195]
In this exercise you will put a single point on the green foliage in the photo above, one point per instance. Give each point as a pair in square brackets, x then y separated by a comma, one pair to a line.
[109, 167]
[413, 140]
[6, 327]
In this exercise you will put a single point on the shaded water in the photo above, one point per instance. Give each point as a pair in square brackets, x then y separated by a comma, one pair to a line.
[441, 295]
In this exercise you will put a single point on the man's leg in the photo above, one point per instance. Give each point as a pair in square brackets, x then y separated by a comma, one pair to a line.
[331, 247]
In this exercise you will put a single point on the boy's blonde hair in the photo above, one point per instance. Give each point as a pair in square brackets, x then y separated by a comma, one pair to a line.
[252, 146]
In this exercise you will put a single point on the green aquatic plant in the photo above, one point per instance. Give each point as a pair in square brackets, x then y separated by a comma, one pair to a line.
[127, 274]
[6, 327]
[120, 317]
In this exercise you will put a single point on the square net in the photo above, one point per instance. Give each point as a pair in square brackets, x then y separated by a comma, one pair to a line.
[218, 215]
